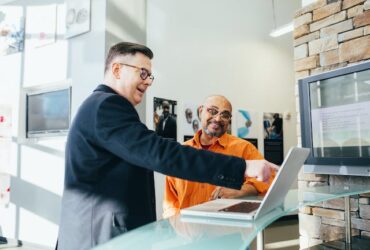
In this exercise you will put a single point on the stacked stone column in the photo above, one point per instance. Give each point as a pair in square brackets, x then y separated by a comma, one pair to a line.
[331, 34]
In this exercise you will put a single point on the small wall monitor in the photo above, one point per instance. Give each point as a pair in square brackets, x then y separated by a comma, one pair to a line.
[48, 112]
[335, 119]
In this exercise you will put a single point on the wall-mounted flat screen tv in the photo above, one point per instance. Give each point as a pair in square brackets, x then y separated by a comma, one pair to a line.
[335, 117]
[48, 112]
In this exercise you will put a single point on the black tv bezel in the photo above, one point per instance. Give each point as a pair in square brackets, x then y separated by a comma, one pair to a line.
[305, 114]
[51, 132]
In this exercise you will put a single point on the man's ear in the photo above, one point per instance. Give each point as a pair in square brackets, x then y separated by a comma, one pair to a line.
[116, 67]
[199, 110]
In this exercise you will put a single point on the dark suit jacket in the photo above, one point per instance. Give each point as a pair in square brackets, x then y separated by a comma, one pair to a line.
[110, 159]
[170, 128]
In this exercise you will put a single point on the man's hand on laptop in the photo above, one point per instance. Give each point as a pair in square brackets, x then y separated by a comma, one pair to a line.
[260, 169]
[229, 193]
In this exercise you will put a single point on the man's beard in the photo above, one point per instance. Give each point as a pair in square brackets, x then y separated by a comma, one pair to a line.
[219, 133]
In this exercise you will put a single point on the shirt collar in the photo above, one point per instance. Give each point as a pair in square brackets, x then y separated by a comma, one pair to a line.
[222, 141]
[105, 88]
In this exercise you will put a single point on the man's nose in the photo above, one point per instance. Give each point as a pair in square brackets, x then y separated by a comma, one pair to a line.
[217, 117]
[148, 81]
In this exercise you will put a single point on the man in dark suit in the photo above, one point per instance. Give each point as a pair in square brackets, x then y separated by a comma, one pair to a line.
[111, 156]
[166, 126]
[277, 126]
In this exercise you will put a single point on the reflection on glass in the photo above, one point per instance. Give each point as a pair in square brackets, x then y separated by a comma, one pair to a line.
[340, 112]
[179, 232]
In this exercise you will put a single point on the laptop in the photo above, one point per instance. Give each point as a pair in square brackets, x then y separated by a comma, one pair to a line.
[245, 209]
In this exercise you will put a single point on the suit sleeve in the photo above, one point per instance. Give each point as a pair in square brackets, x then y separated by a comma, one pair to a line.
[251, 153]
[119, 130]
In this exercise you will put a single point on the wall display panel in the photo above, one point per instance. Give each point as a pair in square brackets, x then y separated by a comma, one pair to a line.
[340, 113]
[335, 116]
[48, 112]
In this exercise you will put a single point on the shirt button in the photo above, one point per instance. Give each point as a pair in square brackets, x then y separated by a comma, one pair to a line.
[221, 177]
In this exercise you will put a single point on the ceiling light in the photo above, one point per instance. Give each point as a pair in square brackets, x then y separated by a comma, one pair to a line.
[282, 30]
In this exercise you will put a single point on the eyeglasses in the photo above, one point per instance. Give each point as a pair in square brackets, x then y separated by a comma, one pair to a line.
[144, 73]
[224, 115]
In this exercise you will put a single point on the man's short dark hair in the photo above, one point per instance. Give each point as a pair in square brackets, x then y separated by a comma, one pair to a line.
[126, 48]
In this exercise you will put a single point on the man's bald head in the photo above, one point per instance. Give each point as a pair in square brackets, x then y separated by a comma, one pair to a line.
[218, 99]
[215, 115]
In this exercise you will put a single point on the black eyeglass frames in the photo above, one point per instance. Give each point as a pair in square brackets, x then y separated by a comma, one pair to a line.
[144, 73]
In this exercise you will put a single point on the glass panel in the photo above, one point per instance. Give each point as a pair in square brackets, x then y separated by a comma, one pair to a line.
[340, 113]
[179, 232]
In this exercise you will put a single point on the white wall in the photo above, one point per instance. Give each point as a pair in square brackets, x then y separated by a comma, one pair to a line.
[86, 54]
[37, 166]
[126, 21]
[222, 47]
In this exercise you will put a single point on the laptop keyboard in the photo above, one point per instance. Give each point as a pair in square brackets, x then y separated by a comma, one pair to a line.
[242, 207]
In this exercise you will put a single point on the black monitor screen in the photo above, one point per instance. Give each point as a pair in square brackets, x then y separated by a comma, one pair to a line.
[340, 114]
[48, 113]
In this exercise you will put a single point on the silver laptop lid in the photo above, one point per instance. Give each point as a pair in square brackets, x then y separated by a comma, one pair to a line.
[283, 181]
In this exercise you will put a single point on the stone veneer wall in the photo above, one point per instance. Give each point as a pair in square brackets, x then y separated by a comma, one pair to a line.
[330, 34]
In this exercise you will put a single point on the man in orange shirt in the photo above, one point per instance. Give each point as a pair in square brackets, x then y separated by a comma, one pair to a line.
[215, 117]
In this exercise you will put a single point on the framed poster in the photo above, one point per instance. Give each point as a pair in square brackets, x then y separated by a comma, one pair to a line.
[165, 117]
[5, 121]
[11, 30]
[273, 126]
[4, 189]
[273, 137]
[247, 124]
[77, 17]
[41, 25]
[191, 119]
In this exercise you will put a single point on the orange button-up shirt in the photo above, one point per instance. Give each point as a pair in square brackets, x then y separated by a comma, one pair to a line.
[181, 193]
